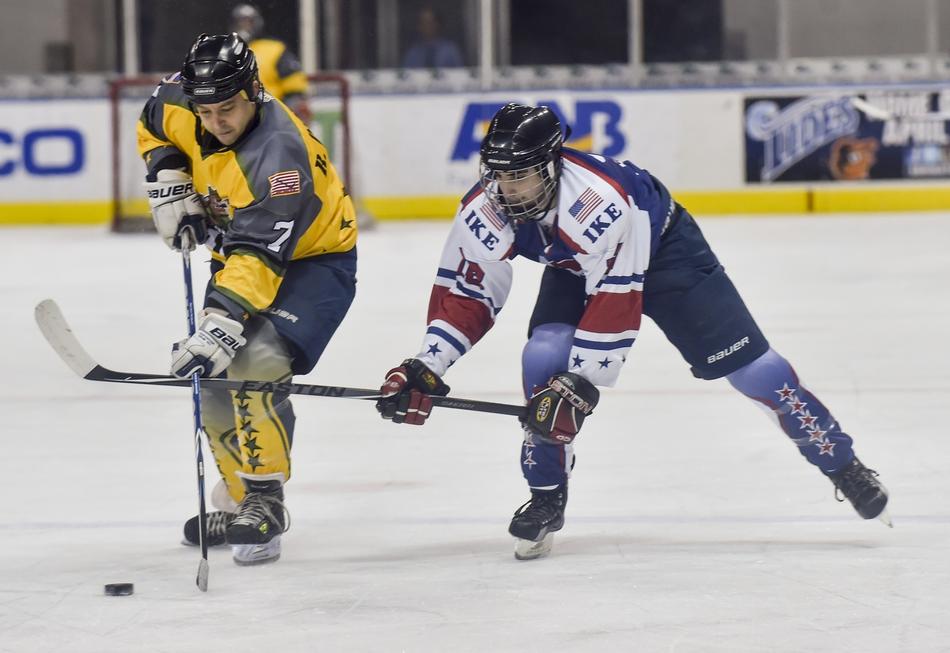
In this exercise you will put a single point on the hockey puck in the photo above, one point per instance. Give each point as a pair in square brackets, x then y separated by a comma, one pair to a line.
[119, 589]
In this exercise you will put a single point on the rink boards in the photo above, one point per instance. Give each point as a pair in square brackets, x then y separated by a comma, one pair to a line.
[778, 150]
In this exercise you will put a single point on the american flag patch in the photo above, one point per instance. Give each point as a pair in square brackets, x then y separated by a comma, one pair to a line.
[492, 216]
[284, 183]
[585, 205]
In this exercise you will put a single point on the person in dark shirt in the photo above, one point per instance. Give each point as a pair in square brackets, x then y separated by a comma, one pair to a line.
[432, 50]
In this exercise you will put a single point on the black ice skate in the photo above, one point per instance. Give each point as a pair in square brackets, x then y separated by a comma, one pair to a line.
[218, 521]
[860, 486]
[254, 535]
[535, 523]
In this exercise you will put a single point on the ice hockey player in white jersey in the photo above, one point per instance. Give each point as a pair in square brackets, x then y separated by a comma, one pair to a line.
[615, 246]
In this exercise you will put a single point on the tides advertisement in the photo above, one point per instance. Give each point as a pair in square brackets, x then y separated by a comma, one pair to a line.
[868, 135]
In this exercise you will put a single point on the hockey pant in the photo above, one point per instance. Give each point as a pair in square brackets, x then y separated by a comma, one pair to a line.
[250, 433]
[769, 380]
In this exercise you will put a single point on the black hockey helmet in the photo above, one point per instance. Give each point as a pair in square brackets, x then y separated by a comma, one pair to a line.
[218, 67]
[521, 160]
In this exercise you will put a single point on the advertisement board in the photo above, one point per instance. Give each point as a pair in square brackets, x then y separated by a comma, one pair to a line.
[54, 150]
[886, 134]
[428, 144]
[415, 155]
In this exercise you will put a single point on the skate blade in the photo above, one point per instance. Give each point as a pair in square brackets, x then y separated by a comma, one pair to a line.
[531, 550]
[886, 518]
[246, 555]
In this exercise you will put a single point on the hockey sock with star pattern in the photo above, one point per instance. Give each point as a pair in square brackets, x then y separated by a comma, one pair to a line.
[772, 382]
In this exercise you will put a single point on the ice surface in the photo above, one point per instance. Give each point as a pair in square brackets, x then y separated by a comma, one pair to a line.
[693, 524]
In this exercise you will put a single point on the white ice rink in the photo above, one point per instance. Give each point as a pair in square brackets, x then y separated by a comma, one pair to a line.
[693, 524]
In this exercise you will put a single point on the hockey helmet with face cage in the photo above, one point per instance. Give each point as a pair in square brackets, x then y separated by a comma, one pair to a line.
[520, 161]
[217, 68]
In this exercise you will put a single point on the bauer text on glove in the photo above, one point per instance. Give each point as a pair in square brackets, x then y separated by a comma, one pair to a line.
[176, 207]
[211, 349]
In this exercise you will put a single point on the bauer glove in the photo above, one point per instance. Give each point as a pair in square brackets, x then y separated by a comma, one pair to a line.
[211, 349]
[406, 392]
[556, 411]
[176, 207]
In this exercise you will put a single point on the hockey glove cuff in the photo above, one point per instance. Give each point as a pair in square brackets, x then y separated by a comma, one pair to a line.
[556, 412]
[406, 392]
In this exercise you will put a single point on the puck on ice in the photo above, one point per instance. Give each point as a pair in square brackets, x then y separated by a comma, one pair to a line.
[119, 589]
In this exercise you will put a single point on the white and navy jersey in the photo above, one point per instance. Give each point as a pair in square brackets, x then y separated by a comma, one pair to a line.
[608, 220]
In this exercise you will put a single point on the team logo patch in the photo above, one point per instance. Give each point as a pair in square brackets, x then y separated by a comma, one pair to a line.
[284, 183]
[544, 408]
[218, 207]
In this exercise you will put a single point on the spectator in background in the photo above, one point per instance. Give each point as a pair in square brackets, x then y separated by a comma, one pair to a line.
[432, 50]
[279, 69]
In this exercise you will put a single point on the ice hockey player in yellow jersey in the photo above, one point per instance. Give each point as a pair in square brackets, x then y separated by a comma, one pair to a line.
[279, 69]
[233, 167]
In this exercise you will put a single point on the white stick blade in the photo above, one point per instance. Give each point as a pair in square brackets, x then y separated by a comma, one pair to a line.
[871, 111]
[57, 332]
[202, 580]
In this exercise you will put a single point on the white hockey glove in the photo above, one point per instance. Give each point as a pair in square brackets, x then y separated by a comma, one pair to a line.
[176, 207]
[211, 349]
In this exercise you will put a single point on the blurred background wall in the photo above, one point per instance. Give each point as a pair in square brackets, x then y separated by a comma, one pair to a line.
[88, 35]
[738, 105]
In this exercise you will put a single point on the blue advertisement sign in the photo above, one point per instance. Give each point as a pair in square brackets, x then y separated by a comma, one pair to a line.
[880, 135]
[593, 121]
[30, 151]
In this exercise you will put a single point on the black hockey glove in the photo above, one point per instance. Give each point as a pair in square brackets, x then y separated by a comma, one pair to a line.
[406, 392]
[556, 411]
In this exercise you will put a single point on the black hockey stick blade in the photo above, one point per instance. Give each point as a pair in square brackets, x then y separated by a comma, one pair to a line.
[64, 342]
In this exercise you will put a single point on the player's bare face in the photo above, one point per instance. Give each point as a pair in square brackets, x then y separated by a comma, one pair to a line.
[227, 120]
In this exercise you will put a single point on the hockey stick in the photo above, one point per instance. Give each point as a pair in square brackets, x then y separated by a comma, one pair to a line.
[201, 580]
[871, 111]
[57, 332]
[879, 113]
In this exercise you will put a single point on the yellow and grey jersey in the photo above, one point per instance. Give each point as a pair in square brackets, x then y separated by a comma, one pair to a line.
[279, 70]
[274, 193]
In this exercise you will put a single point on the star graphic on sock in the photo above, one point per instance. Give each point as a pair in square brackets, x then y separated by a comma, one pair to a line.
[528, 461]
[816, 435]
[254, 462]
[577, 360]
[243, 411]
[434, 348]
[798, 406]
[826, 447]
[808, 420]
[604, 363]
[785, 393]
